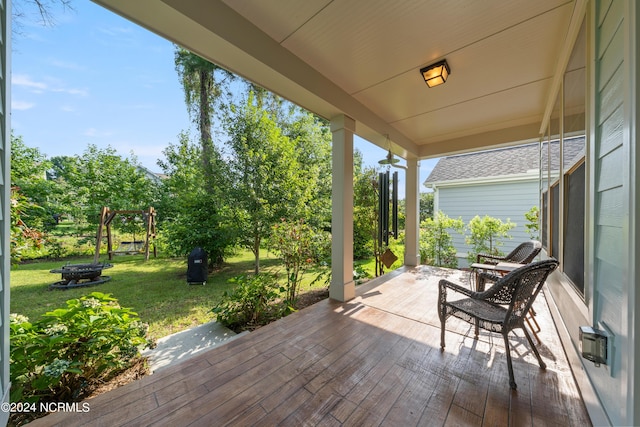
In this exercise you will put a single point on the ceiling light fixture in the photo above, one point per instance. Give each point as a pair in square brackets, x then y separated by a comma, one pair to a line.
[436, 74]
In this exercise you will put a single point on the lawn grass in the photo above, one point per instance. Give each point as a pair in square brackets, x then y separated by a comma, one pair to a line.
[156, 289]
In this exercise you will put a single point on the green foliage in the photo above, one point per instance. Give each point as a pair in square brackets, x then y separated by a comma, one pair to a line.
[436, 244]
[486, 236]
[28, 179]
[365, 213]
[293, 242]
[251, 303]
[426, 206]
[533, 224]
[58, 357]
[268, 180]
[203, 83]
[23, 237]
[192, 215]
[101, 177]
[312, 139]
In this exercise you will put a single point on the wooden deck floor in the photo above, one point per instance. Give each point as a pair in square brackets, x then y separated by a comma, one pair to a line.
[372, 361]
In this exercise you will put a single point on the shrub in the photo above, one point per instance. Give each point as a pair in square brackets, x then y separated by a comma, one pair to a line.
[60, 357]
[532, 225]
[252, 302]
[486, 236]
[293, 241]
[436, 244]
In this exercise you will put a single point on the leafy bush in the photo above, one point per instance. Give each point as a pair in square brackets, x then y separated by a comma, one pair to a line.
[293, 241]
[532, 225]
[486, 236]
[436, 244]
[252, 302]
[60, 357]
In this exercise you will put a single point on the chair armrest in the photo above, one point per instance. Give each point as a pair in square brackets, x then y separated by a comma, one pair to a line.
[444, 284]
[489, 259]
[483, 278]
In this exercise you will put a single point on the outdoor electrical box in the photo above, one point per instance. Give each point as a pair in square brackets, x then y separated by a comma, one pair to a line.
[197, 268]
[593, 345]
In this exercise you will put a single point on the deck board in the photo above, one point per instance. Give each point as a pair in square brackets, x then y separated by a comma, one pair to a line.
[375, 360]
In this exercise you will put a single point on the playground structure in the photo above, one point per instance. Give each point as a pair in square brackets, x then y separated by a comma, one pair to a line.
[106, 218]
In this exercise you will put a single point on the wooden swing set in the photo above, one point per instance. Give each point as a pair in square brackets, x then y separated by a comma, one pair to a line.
[106, 218]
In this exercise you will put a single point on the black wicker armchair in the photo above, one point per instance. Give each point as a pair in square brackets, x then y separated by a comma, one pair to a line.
[524, 253]
[501, 308]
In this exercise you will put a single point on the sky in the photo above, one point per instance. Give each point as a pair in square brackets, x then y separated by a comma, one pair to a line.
[93, 77]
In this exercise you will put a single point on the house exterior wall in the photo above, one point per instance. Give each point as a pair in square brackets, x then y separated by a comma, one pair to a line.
[5, 194]
[611, 182]
[611, 299]
[504, 200]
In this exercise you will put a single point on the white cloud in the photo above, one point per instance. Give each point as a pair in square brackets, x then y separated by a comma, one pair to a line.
[21, 105]
[52, 85]
[26, 81]
[78, 92]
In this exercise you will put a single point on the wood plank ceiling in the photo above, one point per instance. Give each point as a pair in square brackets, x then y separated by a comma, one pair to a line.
[362, 58]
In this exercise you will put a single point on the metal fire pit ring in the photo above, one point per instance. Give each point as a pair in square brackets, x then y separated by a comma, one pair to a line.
[80, 275]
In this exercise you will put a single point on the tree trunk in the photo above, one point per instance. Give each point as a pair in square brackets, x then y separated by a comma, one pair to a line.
[256, 253]
[204, 123]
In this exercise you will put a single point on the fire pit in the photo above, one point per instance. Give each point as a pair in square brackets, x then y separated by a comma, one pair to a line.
[79, 275]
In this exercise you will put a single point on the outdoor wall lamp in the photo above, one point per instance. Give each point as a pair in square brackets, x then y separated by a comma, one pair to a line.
[436, 74]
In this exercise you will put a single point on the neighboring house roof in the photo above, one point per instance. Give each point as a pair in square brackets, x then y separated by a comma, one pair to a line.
[517, 160]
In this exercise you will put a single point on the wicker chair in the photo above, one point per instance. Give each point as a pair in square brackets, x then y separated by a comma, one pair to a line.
[524, 253]
[501, 308]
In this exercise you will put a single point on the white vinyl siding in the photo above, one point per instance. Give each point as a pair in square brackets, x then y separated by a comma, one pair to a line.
[503, 200]
[5, 194]
[610, 207]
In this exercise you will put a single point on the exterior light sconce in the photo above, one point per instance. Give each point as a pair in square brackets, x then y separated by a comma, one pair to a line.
[436, 74]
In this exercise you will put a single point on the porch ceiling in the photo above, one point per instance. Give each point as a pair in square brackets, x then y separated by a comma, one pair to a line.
[362, 58]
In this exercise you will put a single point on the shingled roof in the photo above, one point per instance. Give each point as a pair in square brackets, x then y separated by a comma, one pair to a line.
[500, 162]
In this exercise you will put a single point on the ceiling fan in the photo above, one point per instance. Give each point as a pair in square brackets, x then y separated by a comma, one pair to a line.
[389, 160]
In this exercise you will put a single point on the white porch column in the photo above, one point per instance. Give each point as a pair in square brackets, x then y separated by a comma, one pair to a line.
[342, 287]
[412, 215]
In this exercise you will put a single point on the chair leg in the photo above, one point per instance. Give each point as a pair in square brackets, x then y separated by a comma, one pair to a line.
[533, 331]
[534, 348]
[512, 381]
[442, 335]
[532, 316]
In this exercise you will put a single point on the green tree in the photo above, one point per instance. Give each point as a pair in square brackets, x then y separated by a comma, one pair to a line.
[436, 243]
[533, 224]
[426, 206]
[202, 89]
[293, 242]
[265, 173]
[28, 177]
[190, 215]
[66, 197]
[101, 177]
[311, 137]
[365, 209]
[486, 236]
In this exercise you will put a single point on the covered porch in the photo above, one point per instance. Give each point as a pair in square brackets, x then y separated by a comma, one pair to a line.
[374, 360]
